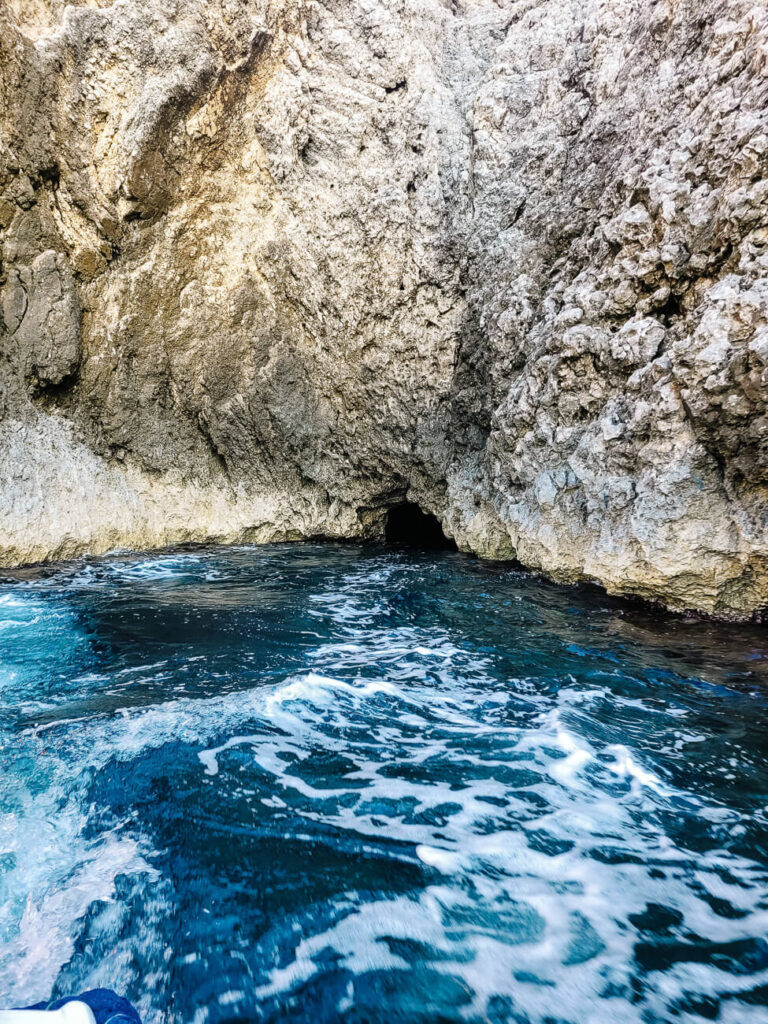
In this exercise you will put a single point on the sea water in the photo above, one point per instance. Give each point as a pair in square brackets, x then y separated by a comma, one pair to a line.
[334, 783]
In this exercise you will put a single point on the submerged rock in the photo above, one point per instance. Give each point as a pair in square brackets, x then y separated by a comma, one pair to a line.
[270, 269]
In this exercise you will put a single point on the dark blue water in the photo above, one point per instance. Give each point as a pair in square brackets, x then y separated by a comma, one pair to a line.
[320, 783]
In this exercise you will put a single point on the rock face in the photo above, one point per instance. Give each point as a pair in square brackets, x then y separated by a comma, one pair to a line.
[270, 268]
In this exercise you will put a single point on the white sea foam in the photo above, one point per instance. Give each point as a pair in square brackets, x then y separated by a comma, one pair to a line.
[537, 837]
[156, 569]
[557, 889]
[53, 874]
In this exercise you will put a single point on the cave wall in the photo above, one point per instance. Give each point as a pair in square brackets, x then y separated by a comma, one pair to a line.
[271, 268]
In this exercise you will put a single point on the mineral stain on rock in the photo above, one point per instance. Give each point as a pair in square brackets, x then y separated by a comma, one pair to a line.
[267, 264]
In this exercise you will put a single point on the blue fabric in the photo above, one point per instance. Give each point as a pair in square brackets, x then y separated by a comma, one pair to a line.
[107, 1007]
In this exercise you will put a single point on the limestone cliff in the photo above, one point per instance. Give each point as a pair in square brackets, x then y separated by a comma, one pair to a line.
[270, 267]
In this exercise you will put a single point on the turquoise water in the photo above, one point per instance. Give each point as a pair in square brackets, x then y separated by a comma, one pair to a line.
[330, 783]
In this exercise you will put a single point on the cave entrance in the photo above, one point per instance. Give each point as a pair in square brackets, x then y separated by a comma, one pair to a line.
[407, 524]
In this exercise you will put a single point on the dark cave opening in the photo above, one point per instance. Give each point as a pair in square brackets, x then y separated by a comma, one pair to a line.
[407, 524]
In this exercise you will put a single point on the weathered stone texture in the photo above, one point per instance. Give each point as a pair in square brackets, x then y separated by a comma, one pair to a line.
[269, 267]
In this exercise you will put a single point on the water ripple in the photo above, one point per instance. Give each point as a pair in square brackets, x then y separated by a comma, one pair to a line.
[331, 783]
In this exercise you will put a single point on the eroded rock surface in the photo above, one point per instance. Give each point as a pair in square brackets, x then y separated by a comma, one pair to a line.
[269, 268]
